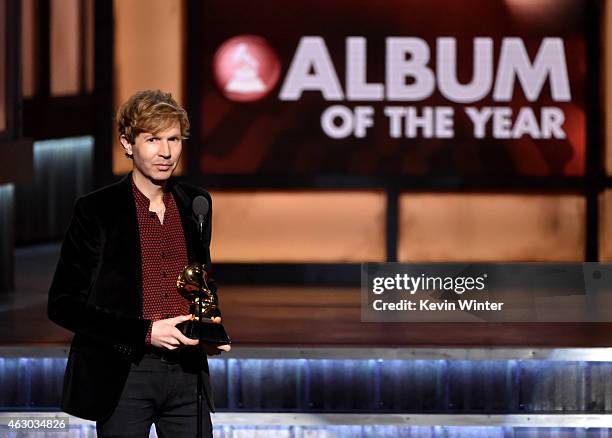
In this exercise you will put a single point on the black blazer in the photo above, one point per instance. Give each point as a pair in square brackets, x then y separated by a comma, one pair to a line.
[97, 293]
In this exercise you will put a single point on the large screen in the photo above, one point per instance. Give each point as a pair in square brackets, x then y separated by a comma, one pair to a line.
[396, 87]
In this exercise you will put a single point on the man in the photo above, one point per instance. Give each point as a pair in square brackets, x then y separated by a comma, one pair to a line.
[115, 287]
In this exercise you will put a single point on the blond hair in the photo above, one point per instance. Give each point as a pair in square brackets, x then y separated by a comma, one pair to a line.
[150, 111]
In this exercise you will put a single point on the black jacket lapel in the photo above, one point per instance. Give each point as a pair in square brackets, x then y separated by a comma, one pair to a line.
[128, 241]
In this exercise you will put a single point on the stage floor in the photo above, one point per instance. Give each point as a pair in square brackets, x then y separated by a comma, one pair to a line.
[288, 316]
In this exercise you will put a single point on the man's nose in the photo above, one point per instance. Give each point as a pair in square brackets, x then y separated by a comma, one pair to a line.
[164, 149]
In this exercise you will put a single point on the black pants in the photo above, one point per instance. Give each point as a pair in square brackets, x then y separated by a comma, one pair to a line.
[160, 390]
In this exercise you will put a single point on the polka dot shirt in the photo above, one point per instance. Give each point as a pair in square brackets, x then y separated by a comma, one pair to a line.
[164, 255]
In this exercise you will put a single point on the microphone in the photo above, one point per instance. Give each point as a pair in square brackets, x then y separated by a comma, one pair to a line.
[200, 207]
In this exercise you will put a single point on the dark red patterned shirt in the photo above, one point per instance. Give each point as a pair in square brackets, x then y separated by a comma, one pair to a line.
[164, 255]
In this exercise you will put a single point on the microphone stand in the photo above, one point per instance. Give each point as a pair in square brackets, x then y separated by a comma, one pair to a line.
[200, 347]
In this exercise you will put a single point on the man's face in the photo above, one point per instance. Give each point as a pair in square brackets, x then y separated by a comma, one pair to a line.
[156, 155]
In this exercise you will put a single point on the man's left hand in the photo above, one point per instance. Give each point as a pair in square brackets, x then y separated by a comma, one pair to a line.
[215, 350]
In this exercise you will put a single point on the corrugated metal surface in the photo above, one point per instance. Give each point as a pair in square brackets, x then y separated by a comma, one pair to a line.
[362, 385]
[62, 172]
[7, 237]
[355, 432]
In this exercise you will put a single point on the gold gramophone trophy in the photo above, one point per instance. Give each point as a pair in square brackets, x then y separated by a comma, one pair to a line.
[192, 285]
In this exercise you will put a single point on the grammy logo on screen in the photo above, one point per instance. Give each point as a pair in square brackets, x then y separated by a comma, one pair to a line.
[246, 68]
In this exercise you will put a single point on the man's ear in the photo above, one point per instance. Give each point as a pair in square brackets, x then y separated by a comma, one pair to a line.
[126, 145]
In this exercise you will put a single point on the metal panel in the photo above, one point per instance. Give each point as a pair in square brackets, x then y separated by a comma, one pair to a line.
[553, 387]
[342, 385]
[256, 384]
[345, 425]
[364, 386]
[62, 172]
[598, 387]
[7, 238]
[410, 385]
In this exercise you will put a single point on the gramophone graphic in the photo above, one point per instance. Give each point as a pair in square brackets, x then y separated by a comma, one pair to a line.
[246, 76]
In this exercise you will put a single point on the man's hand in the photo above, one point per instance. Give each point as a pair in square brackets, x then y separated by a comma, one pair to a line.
[214, 350]
[164, 334]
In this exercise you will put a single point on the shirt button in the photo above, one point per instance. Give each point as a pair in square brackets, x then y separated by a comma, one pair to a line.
[163, 255]
[164, 274]
[166, 295]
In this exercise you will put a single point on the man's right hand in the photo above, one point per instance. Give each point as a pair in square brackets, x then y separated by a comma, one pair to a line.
[164, 333]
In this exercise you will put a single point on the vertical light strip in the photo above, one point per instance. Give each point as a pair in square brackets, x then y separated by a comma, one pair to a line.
[57, 163]
[65, 54]
[89, 45]
[605, 224]
[607, 76]
[3, 65]
[7, 237]
[28, 48]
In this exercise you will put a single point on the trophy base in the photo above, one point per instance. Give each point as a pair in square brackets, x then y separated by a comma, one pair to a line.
[206, 330]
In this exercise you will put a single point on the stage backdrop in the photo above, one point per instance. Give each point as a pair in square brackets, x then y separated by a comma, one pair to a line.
[397, 87]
